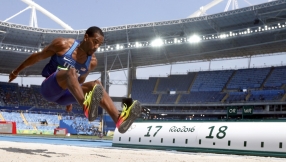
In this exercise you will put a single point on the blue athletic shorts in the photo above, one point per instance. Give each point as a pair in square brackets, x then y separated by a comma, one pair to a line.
[52, 92]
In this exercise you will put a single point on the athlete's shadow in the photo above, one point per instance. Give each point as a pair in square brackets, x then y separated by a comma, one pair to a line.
[42, 152]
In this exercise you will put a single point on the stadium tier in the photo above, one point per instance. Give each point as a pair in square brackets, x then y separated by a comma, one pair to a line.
[276, 79]
[248, 78]
[80, 125]
[28, 98]
[142, 89]
[9, 94]
[211, 80]
[36, 122]
[181, 96]
[171, 83]
[225, 86]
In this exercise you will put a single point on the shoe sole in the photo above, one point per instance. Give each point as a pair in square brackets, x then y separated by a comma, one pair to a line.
[95, 100]
[134, 114]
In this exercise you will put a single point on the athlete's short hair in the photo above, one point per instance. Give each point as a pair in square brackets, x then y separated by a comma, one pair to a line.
[94, 29]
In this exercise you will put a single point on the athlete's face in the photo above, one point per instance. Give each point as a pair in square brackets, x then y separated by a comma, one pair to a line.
[93, 43]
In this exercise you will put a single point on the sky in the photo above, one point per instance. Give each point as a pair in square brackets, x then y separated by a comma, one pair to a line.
[107, 13]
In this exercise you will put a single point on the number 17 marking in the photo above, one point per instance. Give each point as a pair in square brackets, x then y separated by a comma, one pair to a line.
[149, 128]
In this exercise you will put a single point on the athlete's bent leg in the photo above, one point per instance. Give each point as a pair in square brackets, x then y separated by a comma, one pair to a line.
[105, 102]
[130, 112]
[68, 79]
[96, 95]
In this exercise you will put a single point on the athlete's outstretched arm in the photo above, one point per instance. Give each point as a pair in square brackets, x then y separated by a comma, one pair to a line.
[57, 45]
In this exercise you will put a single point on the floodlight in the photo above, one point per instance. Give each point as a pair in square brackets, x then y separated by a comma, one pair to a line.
[138, 44]
[194, 39]
[222, 36]
[157, 42]
[117, 46]
[175, 40]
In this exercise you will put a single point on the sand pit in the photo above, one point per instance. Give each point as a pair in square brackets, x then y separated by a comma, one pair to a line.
[22, 152]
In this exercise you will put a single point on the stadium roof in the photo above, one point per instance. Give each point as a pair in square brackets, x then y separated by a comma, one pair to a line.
[244, 32]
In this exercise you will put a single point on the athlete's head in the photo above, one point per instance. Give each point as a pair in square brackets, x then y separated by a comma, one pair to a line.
[93, 38]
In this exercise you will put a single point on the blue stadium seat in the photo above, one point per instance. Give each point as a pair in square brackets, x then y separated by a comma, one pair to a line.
[211, 80]
[142, 90]
[277, 78]
[248, 78]
[176, 82]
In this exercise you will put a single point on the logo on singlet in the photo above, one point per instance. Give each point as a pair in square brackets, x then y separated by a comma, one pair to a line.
[68, 65]
[67, 59]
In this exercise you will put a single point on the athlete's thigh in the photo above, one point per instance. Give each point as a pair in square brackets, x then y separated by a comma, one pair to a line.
[66, 99]
[50, 89]
[88, 86]
[62, 76]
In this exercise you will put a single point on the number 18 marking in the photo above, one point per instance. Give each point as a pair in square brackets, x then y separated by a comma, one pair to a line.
[220, 135]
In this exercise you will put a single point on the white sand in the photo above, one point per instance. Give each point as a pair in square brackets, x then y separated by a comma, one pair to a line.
[21, 152]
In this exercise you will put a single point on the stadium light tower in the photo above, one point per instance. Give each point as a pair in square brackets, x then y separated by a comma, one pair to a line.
[33, 19]
[203, 9]
[232, 3]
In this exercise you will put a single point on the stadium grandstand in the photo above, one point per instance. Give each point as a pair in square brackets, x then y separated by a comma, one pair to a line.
[248, 32]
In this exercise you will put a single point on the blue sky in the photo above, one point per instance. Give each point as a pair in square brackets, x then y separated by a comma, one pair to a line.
[106, 13]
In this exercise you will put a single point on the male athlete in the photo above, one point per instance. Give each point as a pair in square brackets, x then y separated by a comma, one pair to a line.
[70, 63]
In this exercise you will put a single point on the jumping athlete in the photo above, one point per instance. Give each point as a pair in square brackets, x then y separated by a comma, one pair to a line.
[70, 63]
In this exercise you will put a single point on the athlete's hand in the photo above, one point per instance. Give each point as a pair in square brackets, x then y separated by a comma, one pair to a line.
[12, 76]
[69, 108]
